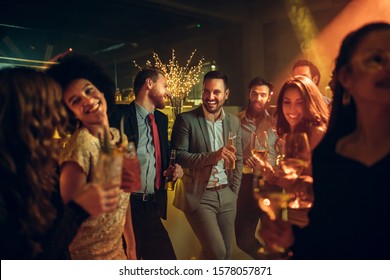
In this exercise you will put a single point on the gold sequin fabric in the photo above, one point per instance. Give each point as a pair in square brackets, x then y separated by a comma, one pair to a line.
[98, 237]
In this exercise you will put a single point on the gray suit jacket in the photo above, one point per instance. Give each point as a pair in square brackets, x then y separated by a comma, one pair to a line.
[191, 140]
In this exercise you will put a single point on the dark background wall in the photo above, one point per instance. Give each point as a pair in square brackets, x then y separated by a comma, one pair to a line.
[244, 38]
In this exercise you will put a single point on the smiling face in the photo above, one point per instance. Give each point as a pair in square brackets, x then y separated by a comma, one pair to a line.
[368, 77]
[86, 102]
[293, 106]
[214, 95]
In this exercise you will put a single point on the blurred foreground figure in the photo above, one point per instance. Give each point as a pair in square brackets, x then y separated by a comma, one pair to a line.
[349, 219]
[34, 222]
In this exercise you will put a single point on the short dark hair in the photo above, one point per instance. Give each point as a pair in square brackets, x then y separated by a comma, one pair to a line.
[216, 75]
[258, 81]
[313, 69]
[143, 74]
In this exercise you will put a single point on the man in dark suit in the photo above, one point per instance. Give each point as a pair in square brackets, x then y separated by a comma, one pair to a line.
[208, 195]
[149, 204]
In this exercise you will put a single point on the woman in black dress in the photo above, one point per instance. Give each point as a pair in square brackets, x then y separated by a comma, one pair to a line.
[350, 216]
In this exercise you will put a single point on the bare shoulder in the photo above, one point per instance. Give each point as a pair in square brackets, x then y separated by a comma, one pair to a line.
[316, 135]
[318, 130]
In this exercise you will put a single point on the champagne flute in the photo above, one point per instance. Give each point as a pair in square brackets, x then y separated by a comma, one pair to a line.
[296, 157]
[231, 142]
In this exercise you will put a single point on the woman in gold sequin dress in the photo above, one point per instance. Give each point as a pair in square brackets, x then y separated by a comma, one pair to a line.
[87, 93]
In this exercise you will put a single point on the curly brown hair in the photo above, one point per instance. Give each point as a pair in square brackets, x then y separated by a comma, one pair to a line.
[76, 66]
[30, 110]
[316, 112]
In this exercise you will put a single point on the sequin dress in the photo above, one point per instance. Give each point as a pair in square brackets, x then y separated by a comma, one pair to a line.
[98, 237]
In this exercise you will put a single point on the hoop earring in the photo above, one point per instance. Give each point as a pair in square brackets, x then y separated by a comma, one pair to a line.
[346, 98]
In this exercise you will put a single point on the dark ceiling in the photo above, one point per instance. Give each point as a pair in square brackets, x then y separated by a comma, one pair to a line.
[113, 32]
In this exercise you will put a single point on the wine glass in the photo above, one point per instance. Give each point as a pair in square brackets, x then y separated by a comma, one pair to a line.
[273, 201]
[260, 145]
[260, 148]
[296, 157]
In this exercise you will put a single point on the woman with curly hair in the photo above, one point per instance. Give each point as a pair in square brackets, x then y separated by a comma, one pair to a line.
[35, 224]
[88, 93]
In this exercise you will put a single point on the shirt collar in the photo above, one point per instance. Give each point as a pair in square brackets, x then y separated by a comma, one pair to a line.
[210, 117]
[243, 115]
[141, 110]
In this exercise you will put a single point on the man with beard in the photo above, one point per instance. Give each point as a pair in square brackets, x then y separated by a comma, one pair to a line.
[208, 195]
[254, 119]
[149, 203]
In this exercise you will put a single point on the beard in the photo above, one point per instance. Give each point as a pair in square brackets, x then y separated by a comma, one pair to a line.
[157, 99]
[256, 111]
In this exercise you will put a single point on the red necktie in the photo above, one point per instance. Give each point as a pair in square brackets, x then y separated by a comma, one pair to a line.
[157, 153]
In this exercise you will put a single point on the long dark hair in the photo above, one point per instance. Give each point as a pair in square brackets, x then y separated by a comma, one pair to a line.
[30, 110]
[343, 116]
[315, 113]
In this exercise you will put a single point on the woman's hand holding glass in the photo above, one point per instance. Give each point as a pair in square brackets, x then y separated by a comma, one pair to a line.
[273, 201]
[295, 158]
[276, 233]
[271, 198]
[97, 199]
[284, 188]
[108, 170]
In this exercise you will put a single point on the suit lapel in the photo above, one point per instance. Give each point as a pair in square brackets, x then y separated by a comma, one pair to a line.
[226, 124]
[163, 136]
[226, 128]
[203, 127]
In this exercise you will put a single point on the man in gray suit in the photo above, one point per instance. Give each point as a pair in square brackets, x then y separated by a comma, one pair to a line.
[208, 195]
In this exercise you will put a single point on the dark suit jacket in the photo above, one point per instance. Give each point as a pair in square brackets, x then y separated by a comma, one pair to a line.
[190, 138]
[131, 131]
